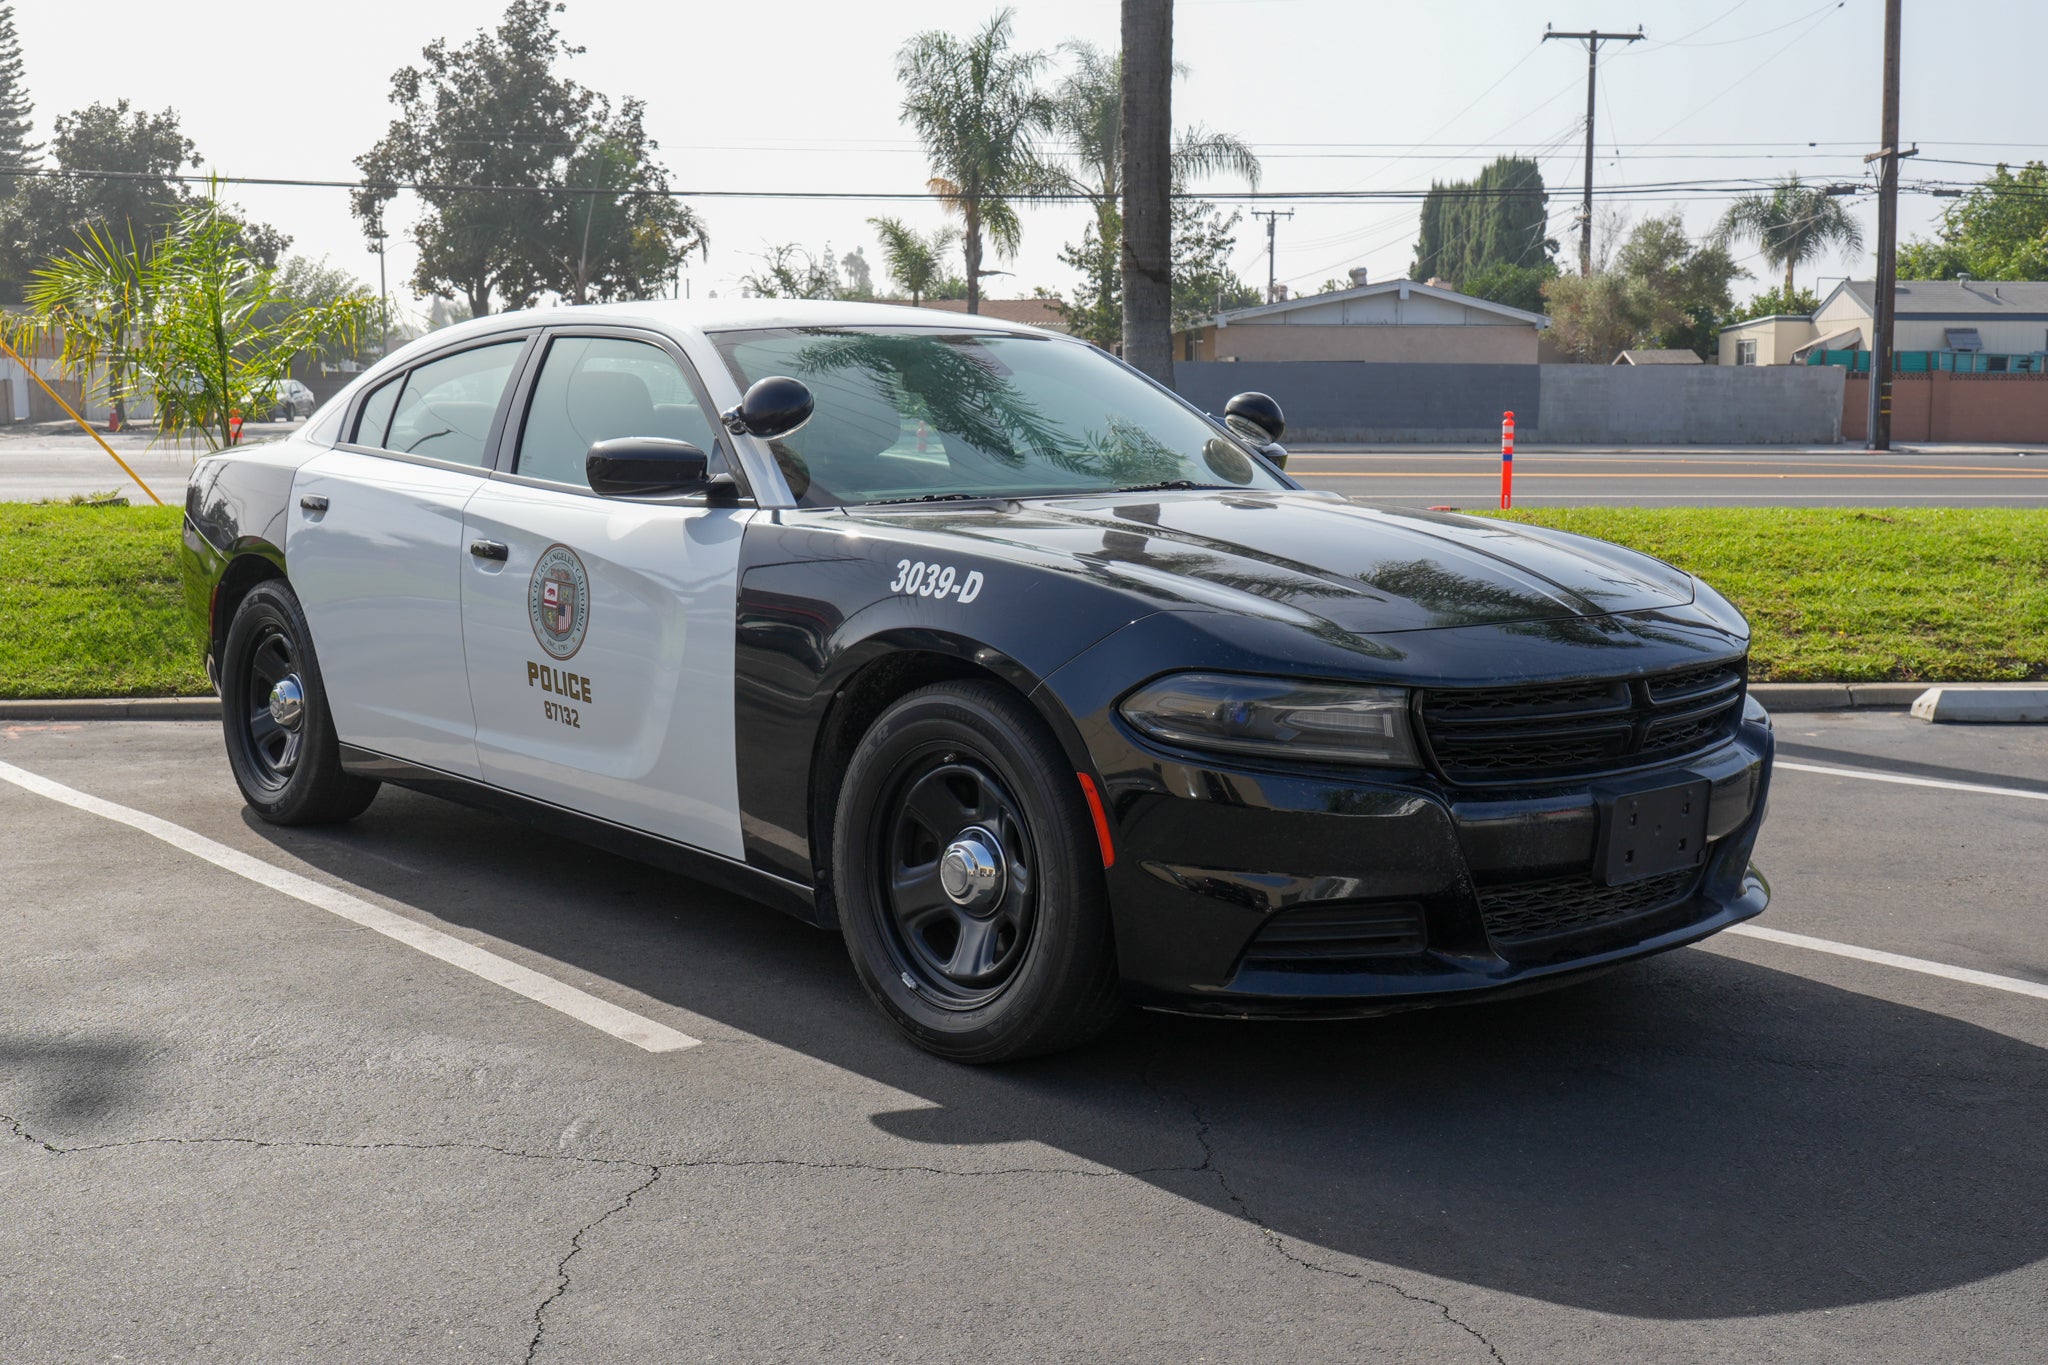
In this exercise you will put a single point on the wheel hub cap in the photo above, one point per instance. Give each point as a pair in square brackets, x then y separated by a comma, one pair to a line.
[287, 703]
[971, 871]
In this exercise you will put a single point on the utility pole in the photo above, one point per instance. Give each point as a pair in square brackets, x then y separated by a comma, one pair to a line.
[383, 298]
[1272, 217]
[1878, 412]
[1592, 40]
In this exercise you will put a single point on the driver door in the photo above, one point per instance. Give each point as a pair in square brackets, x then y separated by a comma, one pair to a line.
[599, 632]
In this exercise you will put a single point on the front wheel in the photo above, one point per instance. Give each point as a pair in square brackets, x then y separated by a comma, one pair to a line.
[280, 738]
[969, 879]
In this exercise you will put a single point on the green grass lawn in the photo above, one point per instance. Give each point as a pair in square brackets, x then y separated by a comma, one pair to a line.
[92, 604]
[1850, 595]
[93, 608]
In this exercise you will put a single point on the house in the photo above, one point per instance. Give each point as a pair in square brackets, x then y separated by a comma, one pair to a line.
[1989, 320]
[1651, 357]
[1396, 320]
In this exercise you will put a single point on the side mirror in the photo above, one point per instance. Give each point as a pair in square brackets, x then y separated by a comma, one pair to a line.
[773, 407]
[1255, 417]
[649, 467]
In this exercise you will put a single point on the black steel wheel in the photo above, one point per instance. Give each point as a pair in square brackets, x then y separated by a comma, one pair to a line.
[969, 880]
[280, 739]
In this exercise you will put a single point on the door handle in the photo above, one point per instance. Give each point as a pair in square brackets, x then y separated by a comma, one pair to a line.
[313, 502]
[487, 549]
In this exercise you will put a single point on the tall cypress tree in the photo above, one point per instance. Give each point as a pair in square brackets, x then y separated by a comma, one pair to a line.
[1496, 219]
[16, 123]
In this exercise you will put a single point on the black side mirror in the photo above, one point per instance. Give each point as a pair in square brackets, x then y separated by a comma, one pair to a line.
[773, 407]
[1255, 417]
[649, 467]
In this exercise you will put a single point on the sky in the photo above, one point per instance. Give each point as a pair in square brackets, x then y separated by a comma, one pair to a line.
[1333, 95]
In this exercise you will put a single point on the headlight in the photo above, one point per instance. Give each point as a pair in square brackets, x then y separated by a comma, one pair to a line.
[1276, 717]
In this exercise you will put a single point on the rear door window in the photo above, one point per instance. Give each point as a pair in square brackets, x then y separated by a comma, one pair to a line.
[446, 408]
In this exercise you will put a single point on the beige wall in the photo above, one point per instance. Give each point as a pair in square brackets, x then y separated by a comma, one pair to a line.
[1775, 338]
[1411, 343]
[1920, 334]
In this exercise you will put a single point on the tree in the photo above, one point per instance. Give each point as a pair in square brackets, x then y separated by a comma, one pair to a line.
[1497, 218]
[1998, 231]
[916, 262]
[301, 283]
[790, 272]
[17, 111]
[1662, 290]
[976, 105]
[50, 215]
[1147, 258]
[860, 280]
[494, 112]
[1793, 224]
[1204, 238]
[623, 244]
[1517, 286]
[1773, 302]
[193, 319]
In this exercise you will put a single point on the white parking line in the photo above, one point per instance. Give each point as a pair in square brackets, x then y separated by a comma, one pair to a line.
[1905, 781]
[621, 1023]
[1910, 964]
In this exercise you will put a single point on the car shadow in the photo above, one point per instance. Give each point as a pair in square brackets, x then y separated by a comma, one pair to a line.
[1691, 1137]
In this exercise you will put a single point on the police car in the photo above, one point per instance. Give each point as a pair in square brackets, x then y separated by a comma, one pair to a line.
[1045, 689]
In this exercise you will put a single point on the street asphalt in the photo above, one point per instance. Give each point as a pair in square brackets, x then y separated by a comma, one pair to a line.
[246, 1128]
[1682, 476]
[50, 461]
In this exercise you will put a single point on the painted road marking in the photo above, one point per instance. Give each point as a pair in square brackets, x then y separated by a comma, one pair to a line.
[621, 1023]
[1905, 781]
[1910, 964]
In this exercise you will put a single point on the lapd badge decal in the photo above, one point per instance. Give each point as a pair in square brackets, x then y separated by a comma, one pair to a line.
[558, 601]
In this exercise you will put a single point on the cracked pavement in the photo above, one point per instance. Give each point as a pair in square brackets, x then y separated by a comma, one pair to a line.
[234, 1127]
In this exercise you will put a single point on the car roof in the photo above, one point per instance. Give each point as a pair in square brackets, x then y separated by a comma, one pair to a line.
[725, 315]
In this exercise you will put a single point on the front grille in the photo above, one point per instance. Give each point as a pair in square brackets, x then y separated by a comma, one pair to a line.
[1566, 730]
[1323, 937]
[1520, 911]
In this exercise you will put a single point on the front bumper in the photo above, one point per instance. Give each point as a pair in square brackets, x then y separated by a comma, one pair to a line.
[1244, 892]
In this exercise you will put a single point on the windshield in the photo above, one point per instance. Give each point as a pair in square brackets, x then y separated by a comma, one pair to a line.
[904, 414]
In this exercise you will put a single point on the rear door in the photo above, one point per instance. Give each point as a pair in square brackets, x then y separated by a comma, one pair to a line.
[375, 552]
[599, 631]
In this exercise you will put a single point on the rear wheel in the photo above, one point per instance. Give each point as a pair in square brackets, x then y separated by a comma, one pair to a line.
[280, 738]
[969, 879]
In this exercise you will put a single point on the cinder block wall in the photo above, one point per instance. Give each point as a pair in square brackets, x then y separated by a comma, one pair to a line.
[1691, 405]
[1561, 404]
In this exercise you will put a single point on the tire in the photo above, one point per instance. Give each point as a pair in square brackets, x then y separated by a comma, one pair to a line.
[1016, 958]
[287, 765]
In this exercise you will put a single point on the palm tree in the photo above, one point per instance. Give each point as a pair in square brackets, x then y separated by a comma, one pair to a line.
[1147, 116]
[1088, 118]
[915, 261]
[1792, 225]
[977, 106]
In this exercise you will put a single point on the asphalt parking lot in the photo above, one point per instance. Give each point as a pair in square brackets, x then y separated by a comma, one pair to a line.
[249, 1128]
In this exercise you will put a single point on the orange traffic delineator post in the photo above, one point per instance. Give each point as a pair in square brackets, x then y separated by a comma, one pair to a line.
[83, 425]
[1507, 460]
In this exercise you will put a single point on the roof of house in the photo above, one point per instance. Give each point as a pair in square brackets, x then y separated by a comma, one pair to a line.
[1658, 358]
[1046, 313]
[1772, 317]
[2013, 300]
[1364, 291]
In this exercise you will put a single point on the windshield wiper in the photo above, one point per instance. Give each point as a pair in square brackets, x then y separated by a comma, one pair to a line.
[1165, 485]
[953, 497]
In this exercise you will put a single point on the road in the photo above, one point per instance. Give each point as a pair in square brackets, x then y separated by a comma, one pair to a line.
[1682, 477]
[49, 461]
[249, 1128]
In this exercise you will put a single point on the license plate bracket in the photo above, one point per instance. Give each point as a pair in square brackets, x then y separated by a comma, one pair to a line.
[1650, 831]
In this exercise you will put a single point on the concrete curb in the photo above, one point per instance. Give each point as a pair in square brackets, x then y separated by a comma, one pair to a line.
[2009, 705]
[112, 708]
[1836, 696]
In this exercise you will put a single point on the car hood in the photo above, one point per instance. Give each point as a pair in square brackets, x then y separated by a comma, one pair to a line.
[1365, 571]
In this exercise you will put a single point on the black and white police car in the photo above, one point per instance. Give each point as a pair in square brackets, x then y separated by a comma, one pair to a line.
[1042, 687]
